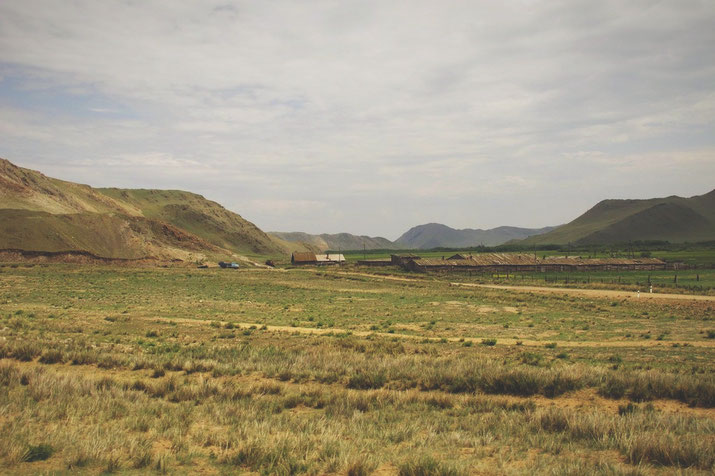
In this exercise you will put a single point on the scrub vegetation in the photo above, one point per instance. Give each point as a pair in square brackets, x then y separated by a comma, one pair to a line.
[329, 371]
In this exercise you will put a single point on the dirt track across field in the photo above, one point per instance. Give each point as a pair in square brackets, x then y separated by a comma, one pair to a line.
[607, 293]
[602, 293]
[475, 340]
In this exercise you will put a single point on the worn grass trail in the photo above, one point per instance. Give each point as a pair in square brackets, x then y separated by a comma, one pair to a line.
[602, 293]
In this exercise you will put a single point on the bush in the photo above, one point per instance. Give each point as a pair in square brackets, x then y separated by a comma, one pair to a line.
[26, 352]
[427, 466]
[666, 450]
[158, 373]
[512, 382]
[37, 453]
[367, 380]
[359, 468]
[560, 384]
[532, 358]
[489, 342]
[52, 357]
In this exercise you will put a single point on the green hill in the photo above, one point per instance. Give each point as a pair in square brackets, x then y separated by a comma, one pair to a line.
[674, 219]
[41, 213]
[195, 214]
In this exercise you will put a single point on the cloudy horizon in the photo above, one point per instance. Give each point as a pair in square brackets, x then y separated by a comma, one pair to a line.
[362, 116]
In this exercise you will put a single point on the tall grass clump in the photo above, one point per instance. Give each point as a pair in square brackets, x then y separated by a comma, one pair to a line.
[427, 466]
[668, 450]
[39, 452]
[645, 386]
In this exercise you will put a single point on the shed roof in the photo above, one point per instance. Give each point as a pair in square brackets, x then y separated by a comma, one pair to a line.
[303, 257]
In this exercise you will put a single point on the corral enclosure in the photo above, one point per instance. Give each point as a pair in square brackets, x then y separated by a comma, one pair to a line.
[335, 371]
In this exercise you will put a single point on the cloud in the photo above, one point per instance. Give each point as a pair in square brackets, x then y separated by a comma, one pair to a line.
[389, 113]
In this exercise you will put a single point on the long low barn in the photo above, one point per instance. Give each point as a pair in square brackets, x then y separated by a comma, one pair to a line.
[320, 259]
[527, 262]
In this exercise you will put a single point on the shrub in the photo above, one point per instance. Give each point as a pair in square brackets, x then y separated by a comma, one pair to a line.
[489, 342]
[359, 468]
[26, 352]
[158, 373]
[613, 387]
[51, 357]
[531, 358]
[666, 450]
[37, 453]
[560, 384]
[427, 466]
[366, 380]
[512, 382]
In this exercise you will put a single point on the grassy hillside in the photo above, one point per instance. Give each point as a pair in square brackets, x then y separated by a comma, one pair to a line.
[40, 213]
[674, 219]
[108, 236]
[436, 235]
[339, 241]
[27, 189]
[195, 214]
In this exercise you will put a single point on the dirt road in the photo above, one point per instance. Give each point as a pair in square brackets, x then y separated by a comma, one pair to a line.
[475, 340]
[590, 292]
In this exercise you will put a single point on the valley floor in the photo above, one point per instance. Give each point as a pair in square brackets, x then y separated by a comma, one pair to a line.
[287, 372]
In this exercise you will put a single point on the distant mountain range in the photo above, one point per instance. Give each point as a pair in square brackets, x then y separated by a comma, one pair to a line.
[432, 235]
[435, 235]
[335, 242]
[43, 214]
[674, 219]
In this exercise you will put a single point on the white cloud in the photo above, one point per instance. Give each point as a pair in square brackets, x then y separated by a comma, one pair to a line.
[388, 113]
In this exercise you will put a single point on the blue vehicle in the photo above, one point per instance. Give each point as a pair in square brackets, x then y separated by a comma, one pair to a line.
[230, 265]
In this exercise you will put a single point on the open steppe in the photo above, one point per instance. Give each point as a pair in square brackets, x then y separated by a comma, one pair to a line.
[330, 371]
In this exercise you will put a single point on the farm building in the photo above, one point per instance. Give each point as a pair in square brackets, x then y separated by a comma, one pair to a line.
[460, 256]
[306, 257]
[500, 262]
[374, 262]
[329, 259]
[401, 260]
[322, 259]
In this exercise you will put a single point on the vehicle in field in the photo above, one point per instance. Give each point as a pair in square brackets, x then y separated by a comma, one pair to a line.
[231, 265]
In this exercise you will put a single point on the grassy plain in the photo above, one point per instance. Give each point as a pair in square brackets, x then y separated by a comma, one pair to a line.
[329, 371]
[702, 255]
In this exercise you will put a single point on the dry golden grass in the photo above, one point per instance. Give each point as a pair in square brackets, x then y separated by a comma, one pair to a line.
[105, 370]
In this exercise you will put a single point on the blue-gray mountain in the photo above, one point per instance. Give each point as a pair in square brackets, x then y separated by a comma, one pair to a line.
[435, 235]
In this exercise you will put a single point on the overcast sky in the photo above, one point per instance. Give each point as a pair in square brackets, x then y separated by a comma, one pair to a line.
[368, 117]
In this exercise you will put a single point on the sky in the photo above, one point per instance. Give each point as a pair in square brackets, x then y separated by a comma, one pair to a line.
[367, 117]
